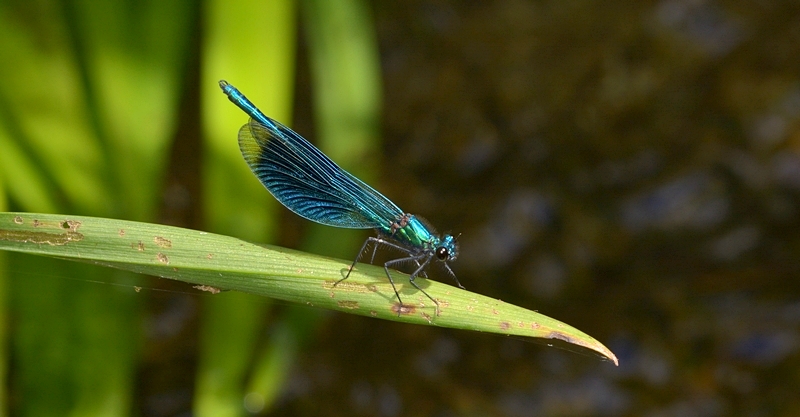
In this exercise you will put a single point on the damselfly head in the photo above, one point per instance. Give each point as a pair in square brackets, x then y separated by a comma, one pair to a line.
[447, 250]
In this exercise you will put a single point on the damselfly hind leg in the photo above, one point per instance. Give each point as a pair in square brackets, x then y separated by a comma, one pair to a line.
[355, 261]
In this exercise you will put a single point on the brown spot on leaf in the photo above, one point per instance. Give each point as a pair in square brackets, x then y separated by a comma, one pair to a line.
[399, 309]
[350, 305]
[560, 336]
[121, 232]
[52, 239]
[72, 225]
[207, 288]
[504, 325]
[162, 242]
[162, 258]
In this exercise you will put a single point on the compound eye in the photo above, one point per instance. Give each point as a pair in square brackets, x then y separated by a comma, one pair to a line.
[442, 253]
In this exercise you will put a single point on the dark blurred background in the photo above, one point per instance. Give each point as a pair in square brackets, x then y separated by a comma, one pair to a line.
[629, 168]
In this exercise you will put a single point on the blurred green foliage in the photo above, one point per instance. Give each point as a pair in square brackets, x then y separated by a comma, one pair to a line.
[87, 112]
[98, 112]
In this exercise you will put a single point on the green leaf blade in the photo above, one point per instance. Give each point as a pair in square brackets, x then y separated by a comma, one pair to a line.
[226, 263]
